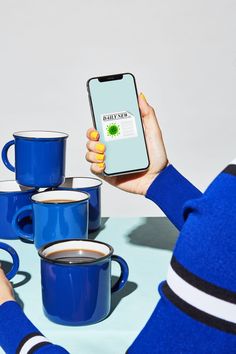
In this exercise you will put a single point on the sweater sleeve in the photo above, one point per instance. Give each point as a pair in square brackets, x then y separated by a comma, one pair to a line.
[18, 335]
[170, 190]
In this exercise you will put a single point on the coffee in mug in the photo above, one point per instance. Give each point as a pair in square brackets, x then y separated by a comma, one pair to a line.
[57, 201]
[75, 256]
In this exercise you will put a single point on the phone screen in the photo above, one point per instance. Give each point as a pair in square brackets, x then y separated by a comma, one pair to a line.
[117, 117]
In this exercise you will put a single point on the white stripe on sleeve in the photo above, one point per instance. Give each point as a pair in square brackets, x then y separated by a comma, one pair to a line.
[199, 299]
[32, 342]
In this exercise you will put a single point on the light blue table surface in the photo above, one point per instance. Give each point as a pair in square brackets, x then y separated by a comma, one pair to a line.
[146, 245]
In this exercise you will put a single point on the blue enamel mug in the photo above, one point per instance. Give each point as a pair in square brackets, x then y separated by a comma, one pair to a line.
[76, 288]
[15, 259]
[39, 158]
[12, 198]
[92, 186]
[56, 215]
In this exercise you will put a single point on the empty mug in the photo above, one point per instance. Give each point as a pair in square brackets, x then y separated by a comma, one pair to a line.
[56, 215]
[39, 158]
[13, 197]
[92, 186]
[76, 281]
[15, 259]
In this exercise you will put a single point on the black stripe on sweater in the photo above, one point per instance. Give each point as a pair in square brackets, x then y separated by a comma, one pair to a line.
[38, 346]
[201, 284]
[197, 314]
[231, 169]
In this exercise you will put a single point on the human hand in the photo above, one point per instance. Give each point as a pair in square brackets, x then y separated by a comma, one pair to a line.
[136, 182]
[6, 290]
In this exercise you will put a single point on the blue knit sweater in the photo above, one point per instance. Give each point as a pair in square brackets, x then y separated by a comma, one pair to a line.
[197, 310]
[196, 313]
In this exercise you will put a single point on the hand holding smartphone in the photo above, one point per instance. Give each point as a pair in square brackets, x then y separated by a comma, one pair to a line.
[116, 115]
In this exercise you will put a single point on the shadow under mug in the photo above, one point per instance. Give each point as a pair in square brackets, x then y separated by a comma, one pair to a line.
[56, 215]
[15, 259]
[79, 293]
[12, 198]
[92, 186]
[39, 158]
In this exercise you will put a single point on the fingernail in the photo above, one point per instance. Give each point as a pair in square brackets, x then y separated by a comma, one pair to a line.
[94, 135]
[101, 164]
[100, 157]
[100, 147]
[143, 97]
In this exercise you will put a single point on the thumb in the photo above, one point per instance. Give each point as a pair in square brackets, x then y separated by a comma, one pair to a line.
[148, 115]
[145, 108]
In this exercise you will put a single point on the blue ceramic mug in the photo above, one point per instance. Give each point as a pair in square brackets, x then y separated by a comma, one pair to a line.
[76, 288]
[15, 259]
[12, 198]
[56, 215]
[92, 186]
[39, 158]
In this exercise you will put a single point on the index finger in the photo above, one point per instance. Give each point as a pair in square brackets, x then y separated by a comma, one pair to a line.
[93, 134]
[145, 108]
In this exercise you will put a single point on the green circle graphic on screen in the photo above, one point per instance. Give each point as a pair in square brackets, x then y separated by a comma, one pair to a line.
[113, 130]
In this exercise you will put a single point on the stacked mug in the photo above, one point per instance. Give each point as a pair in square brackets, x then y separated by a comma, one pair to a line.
[58, 221]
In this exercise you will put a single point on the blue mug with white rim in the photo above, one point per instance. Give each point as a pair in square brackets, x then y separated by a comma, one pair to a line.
[92, 186]
[15, 259]
[39, 158]
[76, 281]
[56, 215]
[12, 198]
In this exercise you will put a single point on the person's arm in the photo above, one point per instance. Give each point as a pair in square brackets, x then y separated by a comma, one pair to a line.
[170, 190]
[196, 312]
[17, 334]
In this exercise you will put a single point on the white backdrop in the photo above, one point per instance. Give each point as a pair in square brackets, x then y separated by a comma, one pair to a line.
[183, 54]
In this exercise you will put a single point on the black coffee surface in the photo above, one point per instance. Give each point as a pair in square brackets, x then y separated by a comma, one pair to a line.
[75, 256]
[57, 201]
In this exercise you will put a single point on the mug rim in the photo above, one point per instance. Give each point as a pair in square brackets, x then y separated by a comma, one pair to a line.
[19, 134]
[81, 177]
[29, 190]
[57, 190]
[54, 261]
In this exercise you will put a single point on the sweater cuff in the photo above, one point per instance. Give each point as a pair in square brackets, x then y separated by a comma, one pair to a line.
[18, 334]
[170, 190]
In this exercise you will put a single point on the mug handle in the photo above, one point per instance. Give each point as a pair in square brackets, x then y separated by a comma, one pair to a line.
[15, 258]
[124, 273]
[5, 157]
[25, 235]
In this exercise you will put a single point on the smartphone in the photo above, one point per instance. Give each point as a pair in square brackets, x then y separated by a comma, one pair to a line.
[114, 106]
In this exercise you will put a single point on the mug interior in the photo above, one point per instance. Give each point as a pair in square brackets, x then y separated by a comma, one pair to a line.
[40, 134]
[81, 182]
[72, 196]
[12, 186]
[76, 245]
